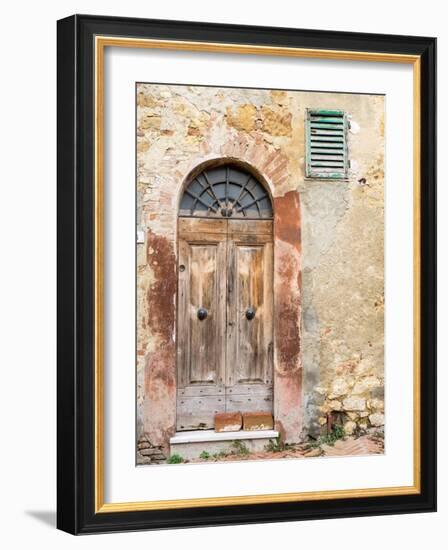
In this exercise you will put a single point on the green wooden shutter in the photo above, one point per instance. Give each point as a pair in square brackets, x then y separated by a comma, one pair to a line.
[326, 144]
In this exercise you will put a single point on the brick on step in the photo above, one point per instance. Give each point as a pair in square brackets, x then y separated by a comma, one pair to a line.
[258, 421]
[228, 422]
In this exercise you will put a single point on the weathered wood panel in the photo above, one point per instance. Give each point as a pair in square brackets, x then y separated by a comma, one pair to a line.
[249, 389]
[201, 348]
[202, 226]
[199, 391]
[183, 307]
[248, 296]
[249, 398]
[249, 403]
[205, 337]
[249, 340]
[242, 229]
[197, 413]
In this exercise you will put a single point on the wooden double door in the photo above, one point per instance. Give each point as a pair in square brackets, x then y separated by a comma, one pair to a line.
[225, 319]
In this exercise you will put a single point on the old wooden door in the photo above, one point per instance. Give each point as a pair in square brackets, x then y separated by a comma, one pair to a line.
[249, 316]
[225, 301]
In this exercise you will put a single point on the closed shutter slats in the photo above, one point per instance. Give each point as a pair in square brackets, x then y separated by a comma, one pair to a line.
[326, 144]
[327, 138]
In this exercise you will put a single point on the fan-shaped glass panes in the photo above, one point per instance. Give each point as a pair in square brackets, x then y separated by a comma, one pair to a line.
[226, 191]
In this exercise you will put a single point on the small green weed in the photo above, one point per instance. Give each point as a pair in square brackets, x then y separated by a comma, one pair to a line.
[240, 448]
[277, 446]
[204, 455]
[330, 439]
[175, 459]
[219, 455]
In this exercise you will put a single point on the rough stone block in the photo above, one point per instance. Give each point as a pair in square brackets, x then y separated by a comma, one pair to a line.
[377, 419]
[354, 404]
[350, 427]
[228, 422]
[258, 421]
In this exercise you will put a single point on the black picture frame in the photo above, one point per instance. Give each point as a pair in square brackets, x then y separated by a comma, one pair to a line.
[76, 271]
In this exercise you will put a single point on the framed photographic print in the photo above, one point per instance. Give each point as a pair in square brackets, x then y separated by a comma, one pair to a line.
[246, 267]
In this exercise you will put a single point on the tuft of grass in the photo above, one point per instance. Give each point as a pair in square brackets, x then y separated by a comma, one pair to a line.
[219, 455]
[330, 439]
[175, 459]
[277, 446]
[240, 448]
[204, 455]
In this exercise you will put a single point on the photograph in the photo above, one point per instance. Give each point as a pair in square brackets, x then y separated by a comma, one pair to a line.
[246, 268]
[259, 274]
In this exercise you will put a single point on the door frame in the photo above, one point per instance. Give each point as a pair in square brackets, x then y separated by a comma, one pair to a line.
[287, 283]
[226, 235]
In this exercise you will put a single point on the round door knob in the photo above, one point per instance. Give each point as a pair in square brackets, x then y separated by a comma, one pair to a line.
[250, 313]
[202, 313]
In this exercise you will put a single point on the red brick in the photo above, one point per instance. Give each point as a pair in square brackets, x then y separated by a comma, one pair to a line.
[228, 422]
[258, 421]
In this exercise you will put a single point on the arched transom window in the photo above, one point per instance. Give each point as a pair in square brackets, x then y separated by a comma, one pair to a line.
[226, 191]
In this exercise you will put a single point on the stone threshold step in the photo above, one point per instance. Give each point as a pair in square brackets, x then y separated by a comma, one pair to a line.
[202, 436]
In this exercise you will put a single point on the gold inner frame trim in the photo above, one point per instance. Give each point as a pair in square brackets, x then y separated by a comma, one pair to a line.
[101, 42]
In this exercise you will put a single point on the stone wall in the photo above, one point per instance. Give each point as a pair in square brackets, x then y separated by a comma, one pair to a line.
[333, 277]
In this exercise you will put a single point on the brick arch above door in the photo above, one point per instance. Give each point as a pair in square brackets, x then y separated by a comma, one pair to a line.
[188, 170]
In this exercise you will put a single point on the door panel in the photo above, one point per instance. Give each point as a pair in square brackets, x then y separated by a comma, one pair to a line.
[247, 297]
[249, 398]
[201, 348]
[250, 231]
[197, 413]
[203, 294]
[249, 316]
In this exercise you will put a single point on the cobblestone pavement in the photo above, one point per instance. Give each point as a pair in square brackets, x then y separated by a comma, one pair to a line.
[349, 446]
[365, 445]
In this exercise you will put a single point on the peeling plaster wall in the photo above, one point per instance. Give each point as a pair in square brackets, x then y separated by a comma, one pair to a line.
[341, 300]
[343, 275]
